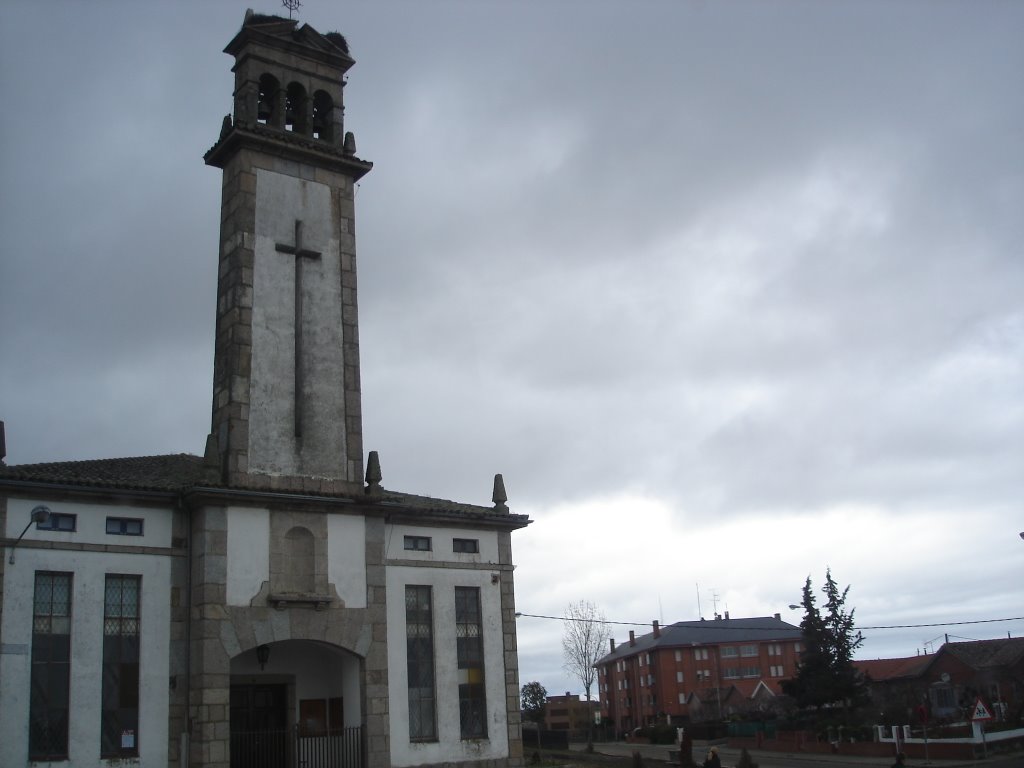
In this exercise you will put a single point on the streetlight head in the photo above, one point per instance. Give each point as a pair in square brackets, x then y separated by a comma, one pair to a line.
[1022, 534]
[793, 607]
[40, 514]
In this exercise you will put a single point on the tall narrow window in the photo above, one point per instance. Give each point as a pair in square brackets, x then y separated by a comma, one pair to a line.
[51, 667]
[470, 646]
[119, 720]
[419, 651]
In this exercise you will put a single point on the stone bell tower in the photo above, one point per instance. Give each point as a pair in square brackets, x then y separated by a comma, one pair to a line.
[286, 391]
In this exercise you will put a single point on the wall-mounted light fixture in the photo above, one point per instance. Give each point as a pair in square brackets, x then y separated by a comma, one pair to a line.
[262, 655]
[40, 514]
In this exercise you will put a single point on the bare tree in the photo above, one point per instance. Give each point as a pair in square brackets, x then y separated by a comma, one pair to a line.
[585, 637]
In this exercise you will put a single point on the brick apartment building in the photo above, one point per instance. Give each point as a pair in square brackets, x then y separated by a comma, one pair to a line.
[569, 713]
[696, 670]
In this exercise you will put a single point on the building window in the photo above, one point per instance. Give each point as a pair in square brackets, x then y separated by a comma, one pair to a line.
[750, 671]
[119, 719]
[419, 652]
[470, 650]
[59, 521]
[679, 655]
[776, 671]
[731, 673]
[51, 667]
[729, 652]
[748, 650]
[679, 676]
[418, 543]
[467, 546]
[774, 649]
[700, 654]
[682, 697]
[124, 526]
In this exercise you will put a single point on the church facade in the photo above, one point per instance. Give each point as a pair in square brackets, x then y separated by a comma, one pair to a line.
[269, 603]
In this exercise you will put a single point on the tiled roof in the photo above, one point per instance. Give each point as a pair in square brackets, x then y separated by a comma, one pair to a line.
[981, 654]
[712, 632]
[179, 472]
[891, 669]
[173, 472]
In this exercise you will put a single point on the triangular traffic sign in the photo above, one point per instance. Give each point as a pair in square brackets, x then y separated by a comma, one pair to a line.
[980, 711]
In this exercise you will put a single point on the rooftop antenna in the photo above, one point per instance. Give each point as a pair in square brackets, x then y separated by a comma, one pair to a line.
[699, 614]
[291, 5]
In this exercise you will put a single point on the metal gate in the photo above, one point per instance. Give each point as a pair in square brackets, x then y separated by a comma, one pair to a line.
[290, 748]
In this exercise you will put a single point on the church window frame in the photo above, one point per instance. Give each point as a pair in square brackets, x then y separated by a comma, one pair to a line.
[469, 642]
[64, 522]
[323, 110]
[125, 526]
[419, 650]
[50, 674]
[119, 698]
[418, 543]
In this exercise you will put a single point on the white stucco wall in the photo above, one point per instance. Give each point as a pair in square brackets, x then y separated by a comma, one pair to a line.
[346, 558]
[248, 553]
[273, 448]
[441, 541]
[89, 571]
[450, 745]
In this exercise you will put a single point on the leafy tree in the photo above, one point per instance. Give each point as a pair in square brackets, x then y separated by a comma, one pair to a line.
[535, 702]
[585, 637]
[534, 698]
[827, 674]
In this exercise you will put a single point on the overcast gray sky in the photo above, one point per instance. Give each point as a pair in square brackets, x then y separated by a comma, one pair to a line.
[729, 292]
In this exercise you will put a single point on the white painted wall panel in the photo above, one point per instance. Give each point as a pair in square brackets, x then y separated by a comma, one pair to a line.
[450, 747]
[248, 553]
[346, 558]
[89, 571]
[441, 540]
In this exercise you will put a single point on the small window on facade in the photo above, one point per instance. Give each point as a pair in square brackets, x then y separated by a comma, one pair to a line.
[418, 543]
[729, 652]
[682, 697]
[679, 676]
[124, 526]
[748, 650]
[679, 655]
[471, 546]
[59, 521]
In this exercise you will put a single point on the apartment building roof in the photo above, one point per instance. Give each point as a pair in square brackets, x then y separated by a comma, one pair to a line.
[717, 631]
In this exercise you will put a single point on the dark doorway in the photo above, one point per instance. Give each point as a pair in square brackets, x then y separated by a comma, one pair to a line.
[259, 726]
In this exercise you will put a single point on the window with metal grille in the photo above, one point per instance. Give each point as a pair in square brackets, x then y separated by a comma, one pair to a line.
[470, 649]
[119, 718]
[51, 667]
[419, 652]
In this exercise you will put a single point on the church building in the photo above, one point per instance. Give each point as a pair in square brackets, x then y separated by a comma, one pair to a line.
[270, 603]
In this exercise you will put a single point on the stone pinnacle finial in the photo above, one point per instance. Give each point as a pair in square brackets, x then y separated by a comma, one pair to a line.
[349, 145]
[373, 475]
[499, 497]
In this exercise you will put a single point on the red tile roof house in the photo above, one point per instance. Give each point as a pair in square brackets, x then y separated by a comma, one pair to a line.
[947, 683]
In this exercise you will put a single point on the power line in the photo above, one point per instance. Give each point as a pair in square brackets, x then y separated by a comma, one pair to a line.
[711, 624]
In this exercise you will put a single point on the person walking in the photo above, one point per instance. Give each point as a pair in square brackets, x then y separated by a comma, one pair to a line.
[712, 760]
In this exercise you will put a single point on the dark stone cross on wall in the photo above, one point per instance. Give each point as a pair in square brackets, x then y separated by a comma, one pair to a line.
[299, 253]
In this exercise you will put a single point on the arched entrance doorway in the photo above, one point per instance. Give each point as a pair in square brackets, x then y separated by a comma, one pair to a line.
[296, 704]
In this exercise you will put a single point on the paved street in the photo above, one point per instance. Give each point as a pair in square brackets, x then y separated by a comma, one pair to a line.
[765, 759]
